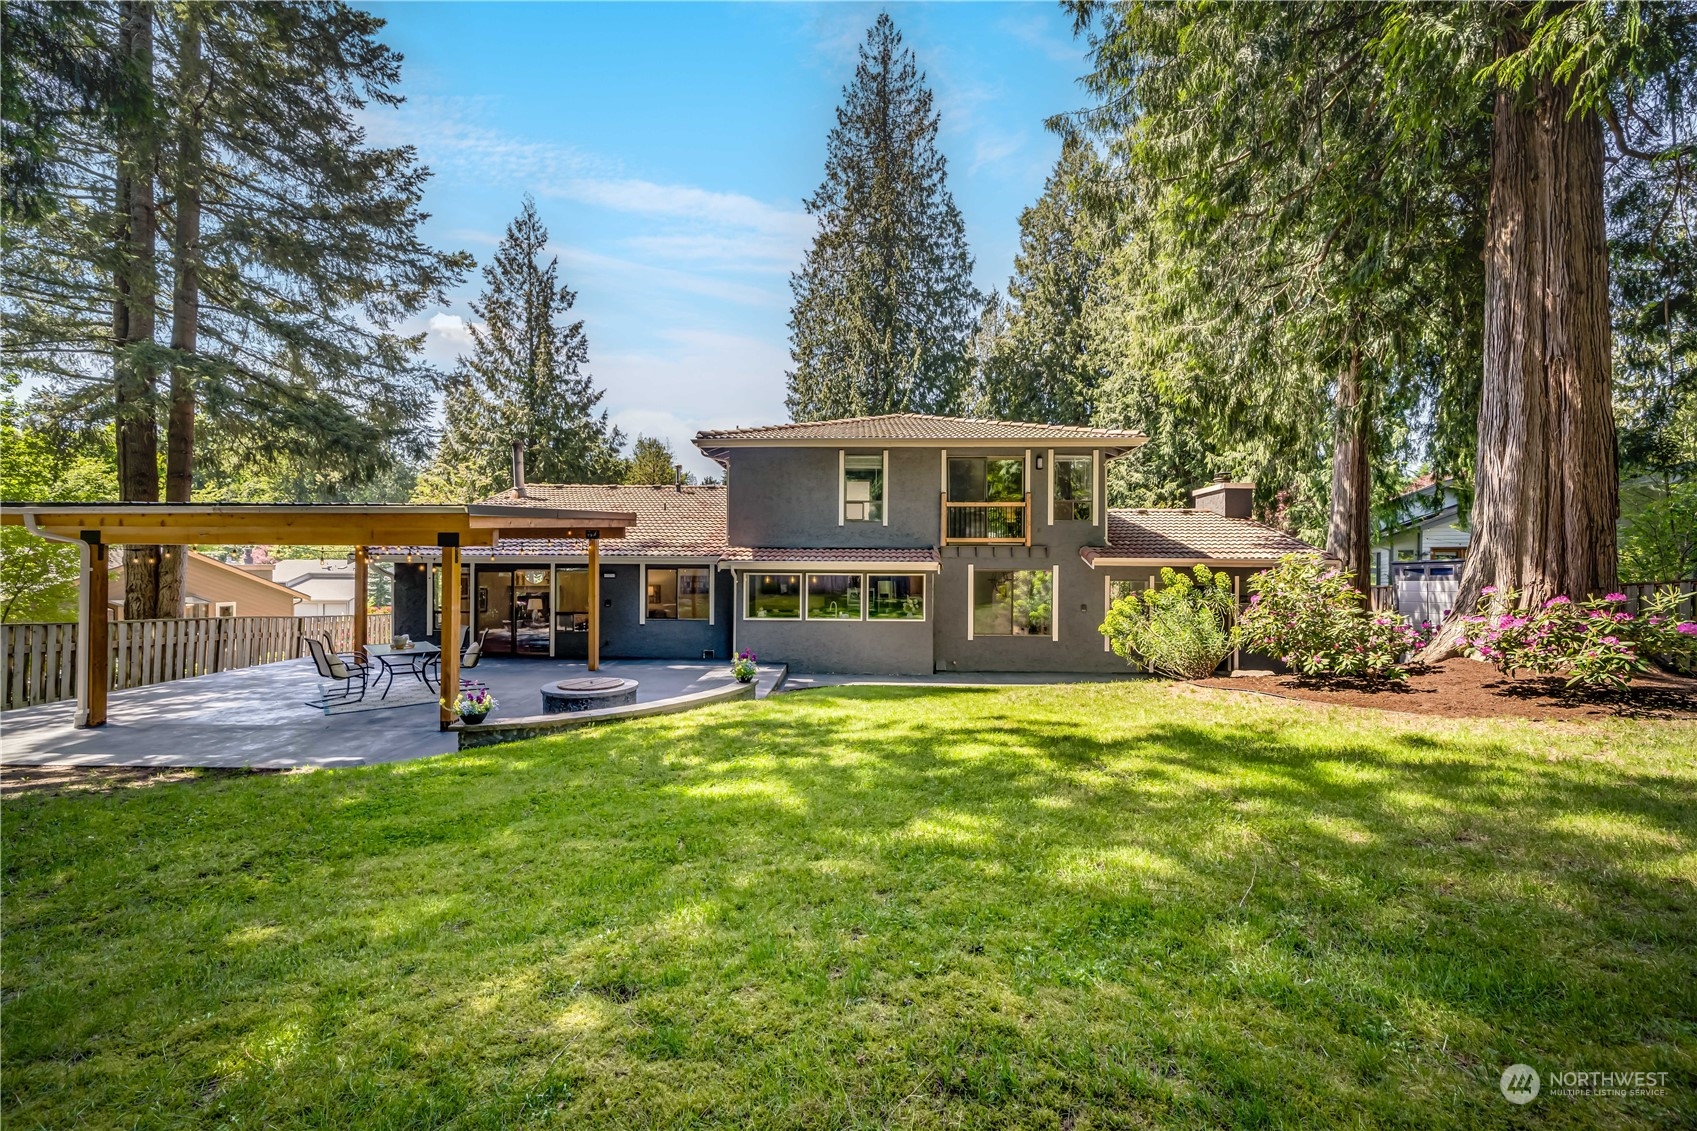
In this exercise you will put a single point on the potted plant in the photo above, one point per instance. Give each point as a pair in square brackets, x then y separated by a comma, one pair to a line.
[743, 666]
[474, 704]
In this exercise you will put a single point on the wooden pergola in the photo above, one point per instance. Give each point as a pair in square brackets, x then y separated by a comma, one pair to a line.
[96, 526]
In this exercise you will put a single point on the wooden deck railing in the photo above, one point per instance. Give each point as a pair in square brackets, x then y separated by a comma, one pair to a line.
[40, 659]
[980, 523]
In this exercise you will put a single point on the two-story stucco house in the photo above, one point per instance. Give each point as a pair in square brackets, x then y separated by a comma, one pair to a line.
[899, 544]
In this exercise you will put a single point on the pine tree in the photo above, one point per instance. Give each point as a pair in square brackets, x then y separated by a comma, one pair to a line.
[1308, 249]
[237, 253]
[1039, 369]
[884, 303]
[523, 380]
[652, 461]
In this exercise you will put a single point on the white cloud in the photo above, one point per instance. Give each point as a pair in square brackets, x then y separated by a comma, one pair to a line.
[685, 202]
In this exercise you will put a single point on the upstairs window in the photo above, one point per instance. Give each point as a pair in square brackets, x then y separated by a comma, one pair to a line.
[863, 488]
[1075, 482]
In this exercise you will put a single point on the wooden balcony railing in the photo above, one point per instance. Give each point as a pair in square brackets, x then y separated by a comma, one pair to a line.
[986, 523]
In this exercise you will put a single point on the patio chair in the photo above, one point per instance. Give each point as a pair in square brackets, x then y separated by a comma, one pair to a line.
[468, 658]
[351, 674]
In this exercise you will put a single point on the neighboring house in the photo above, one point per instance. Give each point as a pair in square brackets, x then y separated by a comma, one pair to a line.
[326, 588]
[886, 544]
[1422, 524]
[218, 589]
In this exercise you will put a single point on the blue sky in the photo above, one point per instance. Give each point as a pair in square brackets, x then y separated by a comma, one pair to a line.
[669, 148]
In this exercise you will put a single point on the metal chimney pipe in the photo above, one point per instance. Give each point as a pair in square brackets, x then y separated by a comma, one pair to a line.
[518, 468]
[678, 477]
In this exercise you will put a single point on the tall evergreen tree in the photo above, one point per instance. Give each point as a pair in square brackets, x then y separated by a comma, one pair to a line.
[235, 252]
[523, 380]
[884, 303]
[1039, 368]
[1308, 244]
[653, 462]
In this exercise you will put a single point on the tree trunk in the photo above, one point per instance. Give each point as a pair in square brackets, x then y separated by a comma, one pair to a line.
[1547, 494]
[1349, 534]
[185, 306]
[134, 369]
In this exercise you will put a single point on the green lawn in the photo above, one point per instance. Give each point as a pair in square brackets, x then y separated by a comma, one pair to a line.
[1093, 906]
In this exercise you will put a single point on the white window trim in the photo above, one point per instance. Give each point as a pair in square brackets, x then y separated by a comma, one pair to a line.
[1055, 603]
[971, 609]
[1051, 486]
[842, 488]
[884, 489]
[712, 594]
[1107, 603]
[642, 589]
[1099, 477]
[642, 593]
[218, 608]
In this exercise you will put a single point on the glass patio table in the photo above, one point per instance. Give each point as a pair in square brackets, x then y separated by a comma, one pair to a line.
[415, 661]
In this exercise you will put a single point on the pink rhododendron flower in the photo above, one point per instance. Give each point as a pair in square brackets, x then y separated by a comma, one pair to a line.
[1686, 628]
[1615, 597]
[1554, 601]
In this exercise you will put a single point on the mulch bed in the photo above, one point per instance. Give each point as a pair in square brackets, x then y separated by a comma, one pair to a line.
[1469, 689]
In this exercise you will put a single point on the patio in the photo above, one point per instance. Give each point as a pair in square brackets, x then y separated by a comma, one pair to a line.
[259, 717]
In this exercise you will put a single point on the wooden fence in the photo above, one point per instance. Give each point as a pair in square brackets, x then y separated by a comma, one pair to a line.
[40, 659]
[1384, 596]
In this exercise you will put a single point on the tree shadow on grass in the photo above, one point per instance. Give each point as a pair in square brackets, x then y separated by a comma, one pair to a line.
[978, 899]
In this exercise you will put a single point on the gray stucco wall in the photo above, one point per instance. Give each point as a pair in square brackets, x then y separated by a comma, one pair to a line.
[625, 638]
[858, 647]
[788, 497]
[1078, 609]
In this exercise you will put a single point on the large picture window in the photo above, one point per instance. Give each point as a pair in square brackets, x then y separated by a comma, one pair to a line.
[677, 593]
[1075, 481]
[833, 596]
[899, 596]
[863, 488]
[1011, 602]
[774, 596]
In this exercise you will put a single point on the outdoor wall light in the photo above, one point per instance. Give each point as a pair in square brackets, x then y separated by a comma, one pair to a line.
[1039, 463]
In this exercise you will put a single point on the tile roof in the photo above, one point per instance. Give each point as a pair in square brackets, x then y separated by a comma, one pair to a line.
[875, 555]
[1191, 535]
[686, 523]
[914, 426]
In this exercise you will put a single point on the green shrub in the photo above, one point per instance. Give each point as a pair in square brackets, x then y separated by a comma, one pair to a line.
[1183, 629]
[1305, 612]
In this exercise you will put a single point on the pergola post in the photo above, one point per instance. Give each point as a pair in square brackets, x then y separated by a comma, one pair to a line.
[449, 671]
[362, 624]
[94, 651]
[594, 600]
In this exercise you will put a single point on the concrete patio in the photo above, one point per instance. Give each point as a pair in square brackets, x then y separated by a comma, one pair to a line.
[258, 717]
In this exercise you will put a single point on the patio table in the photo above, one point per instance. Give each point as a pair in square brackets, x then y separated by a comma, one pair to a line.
[415, 661]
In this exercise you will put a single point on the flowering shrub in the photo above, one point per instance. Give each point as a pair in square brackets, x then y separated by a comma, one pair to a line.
[1181, 629]
[1597, 643]
[474, 701]
[1306, 613]
[742, 667]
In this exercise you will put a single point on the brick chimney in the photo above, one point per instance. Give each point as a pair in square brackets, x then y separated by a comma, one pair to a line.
[1233, 500]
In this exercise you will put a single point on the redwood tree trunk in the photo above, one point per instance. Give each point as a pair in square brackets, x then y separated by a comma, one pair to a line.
[185, 307]
[135, 371]
[1349, 534]
[1547, 493]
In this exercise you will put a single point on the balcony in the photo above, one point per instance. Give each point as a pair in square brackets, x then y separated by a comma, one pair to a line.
[998, 523]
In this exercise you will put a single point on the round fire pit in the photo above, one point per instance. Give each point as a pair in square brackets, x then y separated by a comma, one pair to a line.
[589, 694]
